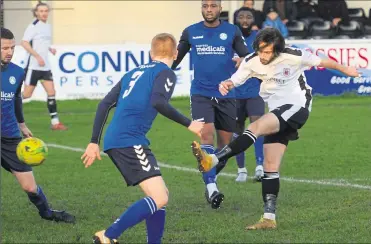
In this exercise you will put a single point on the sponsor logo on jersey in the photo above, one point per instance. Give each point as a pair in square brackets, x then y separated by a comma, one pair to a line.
[197, 37]
[7, 96]
[205, 49]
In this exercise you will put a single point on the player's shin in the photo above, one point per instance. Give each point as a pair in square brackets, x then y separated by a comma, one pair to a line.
[40, 201]
[240, 144]
[270, 189]
[209, 177]
[52, 107]
[135, 214]
[155, 226]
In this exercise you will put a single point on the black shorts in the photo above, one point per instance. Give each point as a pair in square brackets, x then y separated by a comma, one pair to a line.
[220, 111]
[292, 118]
[249, 107]
[33, 76]
[9, 159]
[136, 164]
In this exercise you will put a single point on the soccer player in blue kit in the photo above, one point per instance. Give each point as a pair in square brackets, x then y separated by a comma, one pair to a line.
[12, 123]
[213, 44]
[138, 97]
[249, 103]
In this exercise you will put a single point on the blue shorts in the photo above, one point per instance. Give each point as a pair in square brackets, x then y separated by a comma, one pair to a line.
[249, 107]
[135, 164]
[220, 111]
[9, 159]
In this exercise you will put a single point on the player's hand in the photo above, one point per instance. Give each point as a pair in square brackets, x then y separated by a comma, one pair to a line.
[53, 50]
[225, 87]
[351, 71]
[40, 61]
[238, 61]
[196, 127]
[25, 131]
[91, 153]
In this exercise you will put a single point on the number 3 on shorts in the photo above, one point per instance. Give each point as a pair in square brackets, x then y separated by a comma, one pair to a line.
[134, 78]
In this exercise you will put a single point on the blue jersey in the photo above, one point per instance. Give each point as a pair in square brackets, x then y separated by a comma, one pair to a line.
[133, 99]
[11, 102]
[212, 51]
[252, 86]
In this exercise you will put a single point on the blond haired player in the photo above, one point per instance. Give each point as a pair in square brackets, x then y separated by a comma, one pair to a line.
[138, 97]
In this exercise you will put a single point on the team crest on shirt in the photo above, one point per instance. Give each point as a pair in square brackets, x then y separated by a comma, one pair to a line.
[223, 36]
[12, 80]
[286, 72]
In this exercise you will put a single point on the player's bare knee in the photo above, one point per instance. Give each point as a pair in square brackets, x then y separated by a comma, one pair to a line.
[29, 188]
[207, 138]
[254, 128]
[161, 199]
[271, 165]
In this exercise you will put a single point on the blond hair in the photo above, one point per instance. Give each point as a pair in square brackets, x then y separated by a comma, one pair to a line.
[40, 4]
[164, 45]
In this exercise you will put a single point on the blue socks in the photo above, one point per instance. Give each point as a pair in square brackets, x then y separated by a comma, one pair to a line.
[155, 226]
[40, 201]
[259, 156]
[240, 158]
[209, 177]
[143, 209]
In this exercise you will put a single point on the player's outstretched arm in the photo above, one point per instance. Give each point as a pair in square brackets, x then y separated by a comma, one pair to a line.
[183, 48]
[163, 88]
[346, 70]
[92, 151]
[238, 78]
[309, 59]
[18, 110]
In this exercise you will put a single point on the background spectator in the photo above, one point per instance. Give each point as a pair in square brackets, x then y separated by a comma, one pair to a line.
[259, 17]
[334, 11]
[306, 8]
[273, 20]
[286, 9]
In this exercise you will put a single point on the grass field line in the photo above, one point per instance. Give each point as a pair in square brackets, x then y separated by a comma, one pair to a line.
[332, 182]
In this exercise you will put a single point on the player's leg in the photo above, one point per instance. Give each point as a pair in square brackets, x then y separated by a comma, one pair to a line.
[23, 174]
[240, 127]
[30, 82]
[255, 108]
[202, 110]
[225, 124]
[139, 167]
[266, 125]
[274, 149]
[48, 84]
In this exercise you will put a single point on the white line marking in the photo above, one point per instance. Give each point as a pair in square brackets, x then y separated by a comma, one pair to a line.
[333, 182]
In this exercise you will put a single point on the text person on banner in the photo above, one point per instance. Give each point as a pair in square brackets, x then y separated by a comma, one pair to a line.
[213, 43]
[37, 42]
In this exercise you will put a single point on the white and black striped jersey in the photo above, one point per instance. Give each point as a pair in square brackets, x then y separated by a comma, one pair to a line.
[283, 80]
[39, 35]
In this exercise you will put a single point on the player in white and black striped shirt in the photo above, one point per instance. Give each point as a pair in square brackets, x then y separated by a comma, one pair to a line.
[289, 99]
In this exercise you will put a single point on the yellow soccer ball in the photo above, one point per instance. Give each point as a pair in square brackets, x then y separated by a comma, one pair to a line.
[32, 151]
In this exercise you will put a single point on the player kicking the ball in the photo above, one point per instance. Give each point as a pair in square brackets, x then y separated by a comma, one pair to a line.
[12, 123]
[138, 97]
[289, 99]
